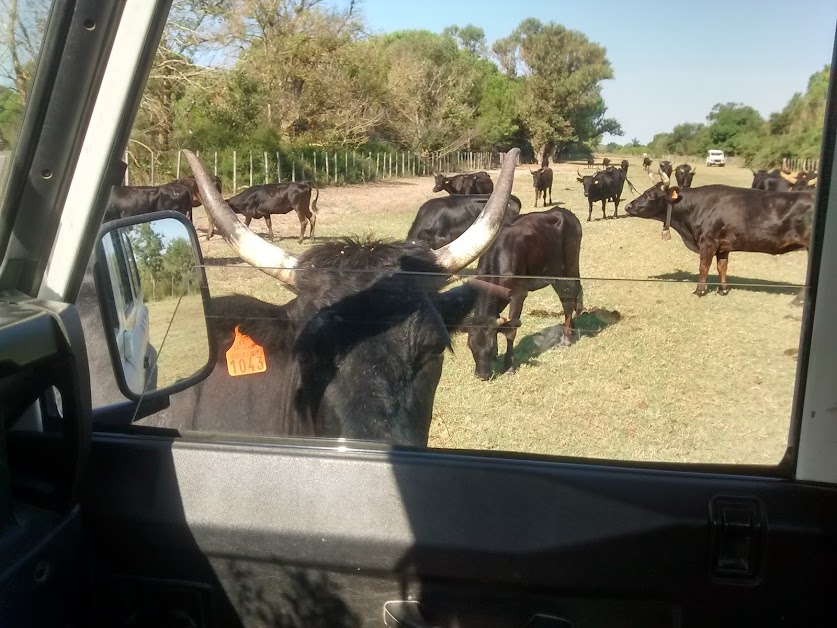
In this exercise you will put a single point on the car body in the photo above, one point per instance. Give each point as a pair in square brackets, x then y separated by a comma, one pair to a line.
[715, 157]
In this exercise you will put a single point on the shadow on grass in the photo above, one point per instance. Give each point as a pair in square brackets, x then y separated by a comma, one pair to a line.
[736, 283]
[587, 324]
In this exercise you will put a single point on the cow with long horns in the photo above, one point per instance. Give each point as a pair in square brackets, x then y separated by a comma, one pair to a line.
[357, 353]
[684, 173]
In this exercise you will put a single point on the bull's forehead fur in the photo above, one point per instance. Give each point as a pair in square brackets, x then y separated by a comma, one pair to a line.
[333, 270]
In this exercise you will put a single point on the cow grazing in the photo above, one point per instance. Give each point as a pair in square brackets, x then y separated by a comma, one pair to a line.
[684, 174]
[542, 181]
[666, 167]
[646, 164]
[715, 220]
[471, 183]
[133, 200]
[442, 220]
[543, 245]
[190, 183]
[262, 201]
[603, 186]
[356, 354]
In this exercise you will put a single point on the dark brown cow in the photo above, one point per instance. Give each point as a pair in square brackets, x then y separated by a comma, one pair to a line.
[134, 200]
[591, 161]
[646, 164]
[542, 181]
[715, 220]
[262, 201]
[606, 162]
[665, 166]
[540, 244]
[190, 183]
[471, 183]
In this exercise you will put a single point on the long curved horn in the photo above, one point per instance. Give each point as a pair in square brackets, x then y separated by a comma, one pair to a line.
[267, 257]
[456, 255]
[664, 176]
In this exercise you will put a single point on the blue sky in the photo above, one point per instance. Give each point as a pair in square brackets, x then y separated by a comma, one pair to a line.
[672, 61]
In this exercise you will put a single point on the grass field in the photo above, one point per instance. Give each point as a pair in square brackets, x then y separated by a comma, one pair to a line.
[670, 378]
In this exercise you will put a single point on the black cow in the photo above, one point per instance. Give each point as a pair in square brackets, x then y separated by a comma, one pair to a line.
[262, 201]
[778, 181]
[190, 183]
[603, 186]
[441, 220]
[541, 244]
[646, 164]
[606, 162]
[665, 166]
[591, 161]
[133, 200]
[684, 174]
[715, 220]
[471, 183]
[357, 353]
[542, 181]
[625, 165]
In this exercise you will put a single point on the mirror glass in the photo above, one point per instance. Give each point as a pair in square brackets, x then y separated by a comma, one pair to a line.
[152, 281]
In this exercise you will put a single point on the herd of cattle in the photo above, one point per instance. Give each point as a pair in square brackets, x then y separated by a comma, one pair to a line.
[359, 354]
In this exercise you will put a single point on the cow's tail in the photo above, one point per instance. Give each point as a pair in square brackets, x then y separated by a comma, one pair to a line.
[631, 185]
[314, 202]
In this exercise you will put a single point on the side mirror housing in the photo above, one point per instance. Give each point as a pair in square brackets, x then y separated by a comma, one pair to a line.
[153, 297]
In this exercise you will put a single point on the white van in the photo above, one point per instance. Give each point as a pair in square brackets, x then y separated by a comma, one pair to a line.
[716, 158]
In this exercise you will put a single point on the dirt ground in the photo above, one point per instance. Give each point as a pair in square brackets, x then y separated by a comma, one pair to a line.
[662, 375]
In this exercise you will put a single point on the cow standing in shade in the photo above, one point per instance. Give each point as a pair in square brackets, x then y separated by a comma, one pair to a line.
[542, 181]
[542, 245]
[715, 220]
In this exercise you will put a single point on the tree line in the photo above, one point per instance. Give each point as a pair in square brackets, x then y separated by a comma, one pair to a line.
[795, 132]
[166, 269]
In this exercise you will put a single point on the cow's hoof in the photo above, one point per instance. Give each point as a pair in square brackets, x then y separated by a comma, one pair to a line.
[723, 291]
[699, 293]
[565, 341]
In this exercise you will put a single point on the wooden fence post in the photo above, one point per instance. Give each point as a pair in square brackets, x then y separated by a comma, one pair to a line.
[314, 178]
[215, 164]
[178, 164]
[326, 163]
[293, 167]
[377, 163]
[251, 168]
[152, 167]
[346, 165]
[265, 167]
[335, 167]
[235, 187]
[278, 168]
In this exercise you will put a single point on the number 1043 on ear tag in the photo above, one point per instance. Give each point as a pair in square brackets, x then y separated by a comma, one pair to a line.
[245, 357]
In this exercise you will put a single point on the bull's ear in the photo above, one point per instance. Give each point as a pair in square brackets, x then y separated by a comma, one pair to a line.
[673, 195]
[455, 305]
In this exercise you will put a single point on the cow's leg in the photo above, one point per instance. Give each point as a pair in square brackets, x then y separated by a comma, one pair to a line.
[721, 260]
[510, 330]
[604, 215]
[303, 222]
[537, 194]
[616, 206]
[590, 213]
[706, 255]
[567, 291]
[247, 221]
[313, 220]
[550, 195]
[269, 227]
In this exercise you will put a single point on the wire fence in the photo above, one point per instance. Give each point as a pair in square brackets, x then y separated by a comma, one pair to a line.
[239, 170]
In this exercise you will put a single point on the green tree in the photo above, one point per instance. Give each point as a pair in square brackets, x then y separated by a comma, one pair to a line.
[560, 99]
[179, 266]
[734, 127]
[148, 251]
[470, 38]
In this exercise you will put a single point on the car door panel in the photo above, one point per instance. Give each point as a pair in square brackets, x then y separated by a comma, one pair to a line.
[282, 525]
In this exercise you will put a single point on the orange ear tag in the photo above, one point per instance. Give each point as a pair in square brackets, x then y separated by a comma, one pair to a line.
[674, 195]
[245, 357]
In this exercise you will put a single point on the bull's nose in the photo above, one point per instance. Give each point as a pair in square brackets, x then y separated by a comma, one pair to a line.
[483, 376]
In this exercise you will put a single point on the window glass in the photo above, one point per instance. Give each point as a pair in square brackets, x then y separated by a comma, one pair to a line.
[352, 120]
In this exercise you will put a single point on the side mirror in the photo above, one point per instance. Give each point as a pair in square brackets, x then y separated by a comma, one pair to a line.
[153, 297]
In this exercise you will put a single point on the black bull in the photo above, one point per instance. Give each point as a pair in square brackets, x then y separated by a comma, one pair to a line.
[357, 354]
[441, 220]
[539, 245]
[471, 183]
[262, 201]
[542, 181]
[604, 186]
[715, 220]
[130, 200]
